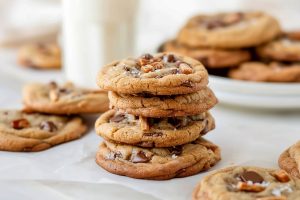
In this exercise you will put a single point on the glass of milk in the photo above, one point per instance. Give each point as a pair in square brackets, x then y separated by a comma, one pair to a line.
[95, 33]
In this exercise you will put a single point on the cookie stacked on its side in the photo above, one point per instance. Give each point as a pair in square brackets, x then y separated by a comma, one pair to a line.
[159, 112]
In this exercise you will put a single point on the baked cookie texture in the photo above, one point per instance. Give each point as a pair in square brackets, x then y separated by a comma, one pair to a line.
[261, 72]
[63, 99]
[40, 56]
[160, 74]
[229, 30]
[209, 57]
[158, 163]
[289, 160]
[164, 106]
[248, 183]
[152, 132]
[285, 48]
[29, 132]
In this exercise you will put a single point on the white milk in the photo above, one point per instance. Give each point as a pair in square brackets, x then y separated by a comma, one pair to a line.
[95, 33]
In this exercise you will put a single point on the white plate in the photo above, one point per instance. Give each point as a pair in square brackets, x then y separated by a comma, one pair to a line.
[259, 95]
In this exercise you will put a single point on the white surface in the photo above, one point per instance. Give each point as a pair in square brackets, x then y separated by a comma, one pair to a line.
[68, 171]
[279, 96]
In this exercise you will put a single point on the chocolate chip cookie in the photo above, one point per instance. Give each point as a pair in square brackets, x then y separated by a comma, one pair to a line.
[285, 48]
[209, 57]
[289, 160]
[152, 132]
[63, 99]
[164, 106]
[40, 56]
[261, 72]
[229, 30]
[158, 163]
[159, 74]
[21, 131]
[248, 183]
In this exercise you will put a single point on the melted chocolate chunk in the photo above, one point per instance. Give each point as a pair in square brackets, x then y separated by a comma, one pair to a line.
[155, 134]
[117, 118]
[140, 157]
[146, 144]
[20, 124]
[114, 155]
[177, 150]
[147, 56]
[212, 24]
[187, 84]
[48, 126]
[169, 58]
[251, 176]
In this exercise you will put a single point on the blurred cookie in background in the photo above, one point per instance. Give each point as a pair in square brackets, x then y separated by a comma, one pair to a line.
[261, 72]
[285, 48]
[40, 56]
[209, 57]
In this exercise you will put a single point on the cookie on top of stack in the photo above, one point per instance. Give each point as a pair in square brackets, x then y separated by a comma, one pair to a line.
[159, 112]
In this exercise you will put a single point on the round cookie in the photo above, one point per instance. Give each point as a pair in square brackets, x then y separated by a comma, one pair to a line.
[164, 106]
[289, 160]
[40, 56]
[229, 30]
[160, 74]
[65, 99]
[261, 72]
[285, 48]
[209, 57]
[152, 132]
[248, 183]
[21, 131]
[158, 163]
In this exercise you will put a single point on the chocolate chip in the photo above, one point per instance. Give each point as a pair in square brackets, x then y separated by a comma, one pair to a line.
[147, 144]
[63, 90]
[5, 113]
[155, 134]
[187, 84]
[20, 124]
[114, 155]
[169, 58]
[140, 157]
[212, 24]
[251, 176]
[177, 150]
[147, 56]
[117, 118]
[48, 126]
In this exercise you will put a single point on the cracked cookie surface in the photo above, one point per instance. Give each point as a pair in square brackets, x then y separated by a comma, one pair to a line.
[158, 163]
[164, 106]
[152, 132]
[21, 131]
[159, 74]
[40, 56]
[261, 72]
[289, 160]
[63, 99]
[229, 30]
[209, 57]
[248, 183]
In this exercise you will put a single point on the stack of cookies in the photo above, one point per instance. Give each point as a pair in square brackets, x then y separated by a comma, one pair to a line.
[159, 112]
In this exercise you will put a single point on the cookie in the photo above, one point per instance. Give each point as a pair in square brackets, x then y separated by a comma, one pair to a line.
[248, 183]
[261, 72]
[63, 99]
[21, 131]
[285, 48]
[159, 74]
[158, 163]
[289, 160]
[152, 132]
[40, 56]
[229, 30]
[209, 57]
[164, 106]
